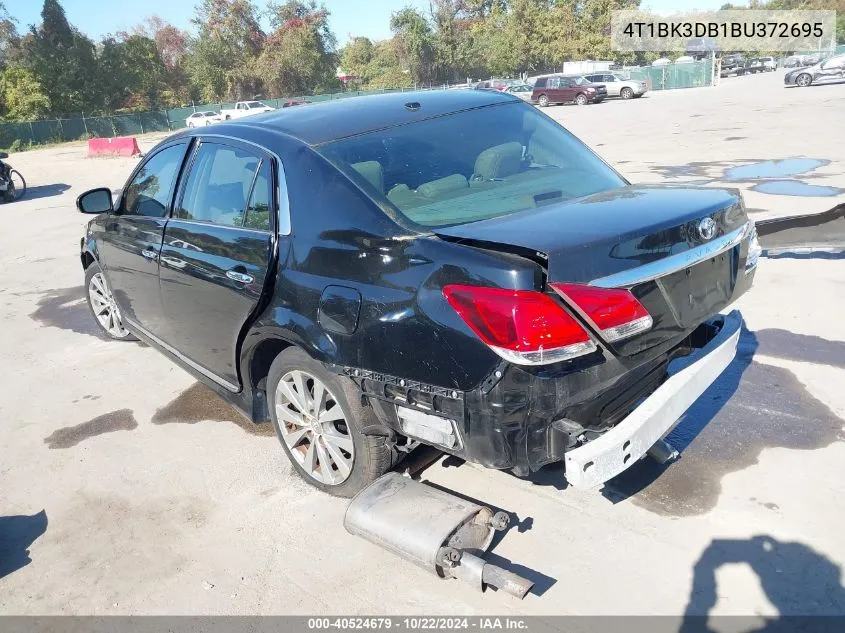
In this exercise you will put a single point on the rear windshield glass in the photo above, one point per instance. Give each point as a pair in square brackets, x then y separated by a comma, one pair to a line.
[473, 165]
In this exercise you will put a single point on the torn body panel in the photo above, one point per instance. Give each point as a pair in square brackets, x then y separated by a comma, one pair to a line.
[817, 232]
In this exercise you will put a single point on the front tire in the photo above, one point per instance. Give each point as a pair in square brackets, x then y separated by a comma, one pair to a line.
[103, 306]
[319, 417]
[581, 100]
[803, 80]
[543, 100]
[626, 93]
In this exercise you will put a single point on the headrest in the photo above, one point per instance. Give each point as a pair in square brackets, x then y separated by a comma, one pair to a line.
[499, 161]
[371, 170]
[442, 185]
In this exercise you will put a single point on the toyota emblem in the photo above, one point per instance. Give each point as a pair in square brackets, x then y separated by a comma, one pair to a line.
[707, 229]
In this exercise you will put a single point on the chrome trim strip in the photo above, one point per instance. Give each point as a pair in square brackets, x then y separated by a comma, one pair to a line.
[673, 263]
[205, 372]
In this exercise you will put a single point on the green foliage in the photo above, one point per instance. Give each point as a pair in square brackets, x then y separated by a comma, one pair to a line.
[299, 55]
[21, 95]
[54, 70]
[415, 44]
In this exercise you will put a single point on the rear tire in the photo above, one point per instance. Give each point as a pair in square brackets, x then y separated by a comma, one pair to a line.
[325, 441]
[626, 93]
[543, 100]
[581, 99]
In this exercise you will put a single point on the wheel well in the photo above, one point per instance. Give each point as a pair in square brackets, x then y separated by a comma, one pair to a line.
[87, 259]
[263, 356]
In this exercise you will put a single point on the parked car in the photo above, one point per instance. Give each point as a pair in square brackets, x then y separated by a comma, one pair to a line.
[493, 84]
[769, 63]
[564, 89]
[444, 268]
[828, 70]
[618, 86]
[732, 65]
[294, 102]
[754, 66]
[523, 91]
[202, 118]
[244, 108]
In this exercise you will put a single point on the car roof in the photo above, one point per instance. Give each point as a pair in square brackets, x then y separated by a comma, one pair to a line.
[333, 120]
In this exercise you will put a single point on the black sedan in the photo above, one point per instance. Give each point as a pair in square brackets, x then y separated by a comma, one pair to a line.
[831, 69]
[449, 268]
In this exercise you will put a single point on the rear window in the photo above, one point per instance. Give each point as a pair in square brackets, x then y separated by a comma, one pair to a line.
[482, 163]
[541, 82]
[255, 104]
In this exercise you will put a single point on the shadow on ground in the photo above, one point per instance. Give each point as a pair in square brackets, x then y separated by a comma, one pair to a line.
[751, 406]
[45, 191]
[17, 533]
[796, 579]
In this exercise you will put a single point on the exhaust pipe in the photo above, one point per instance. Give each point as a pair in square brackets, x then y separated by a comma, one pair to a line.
[663, 452]
[432, 529]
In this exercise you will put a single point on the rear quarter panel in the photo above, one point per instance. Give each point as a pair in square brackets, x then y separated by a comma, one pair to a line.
[405, 328]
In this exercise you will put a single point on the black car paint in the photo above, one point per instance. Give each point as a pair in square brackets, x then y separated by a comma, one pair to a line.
[361, 291]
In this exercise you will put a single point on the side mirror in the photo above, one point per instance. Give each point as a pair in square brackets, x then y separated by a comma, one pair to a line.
[4, 155]
[95, 201]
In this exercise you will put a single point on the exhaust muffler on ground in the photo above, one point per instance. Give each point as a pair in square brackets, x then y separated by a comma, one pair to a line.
[433, 529]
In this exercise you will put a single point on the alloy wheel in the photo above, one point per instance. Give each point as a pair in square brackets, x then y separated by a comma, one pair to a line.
[313, 427]
[104, 307]
[803, 80]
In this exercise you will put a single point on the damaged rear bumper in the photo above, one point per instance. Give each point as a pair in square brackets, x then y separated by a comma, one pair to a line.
[608, 455]
[598, 414]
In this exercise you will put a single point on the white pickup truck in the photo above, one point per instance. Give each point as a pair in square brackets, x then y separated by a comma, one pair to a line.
[244, 108]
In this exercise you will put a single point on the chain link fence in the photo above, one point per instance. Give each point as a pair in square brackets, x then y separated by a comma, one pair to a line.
[673, 76]
[17, 135]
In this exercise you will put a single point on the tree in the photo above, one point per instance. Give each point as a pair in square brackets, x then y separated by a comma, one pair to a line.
[62, 60]
[10, 41]
[21, 96]
[415, 43]
[222, 57]
[299, 55]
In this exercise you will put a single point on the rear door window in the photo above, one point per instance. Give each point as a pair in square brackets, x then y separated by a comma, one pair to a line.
[258, 210]
[218, 185]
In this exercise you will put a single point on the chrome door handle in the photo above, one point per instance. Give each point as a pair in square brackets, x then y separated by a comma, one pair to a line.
[147, 253]
[234, 275]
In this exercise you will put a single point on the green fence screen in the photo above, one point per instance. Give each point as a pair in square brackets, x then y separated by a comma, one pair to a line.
[672, 76]
[72, 129]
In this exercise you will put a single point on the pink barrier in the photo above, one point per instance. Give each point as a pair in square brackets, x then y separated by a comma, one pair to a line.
[118, 146]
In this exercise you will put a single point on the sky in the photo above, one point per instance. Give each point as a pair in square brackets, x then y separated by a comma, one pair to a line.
[369, 18]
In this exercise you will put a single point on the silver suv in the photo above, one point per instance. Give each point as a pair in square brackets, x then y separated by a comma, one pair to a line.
[618, 86]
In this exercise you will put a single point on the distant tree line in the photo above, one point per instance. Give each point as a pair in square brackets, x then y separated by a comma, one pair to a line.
[54, 70]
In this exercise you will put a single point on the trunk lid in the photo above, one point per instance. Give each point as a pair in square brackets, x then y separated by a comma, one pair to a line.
[681, 251]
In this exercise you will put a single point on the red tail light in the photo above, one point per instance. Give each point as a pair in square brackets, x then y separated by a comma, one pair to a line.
[615, 312]
[523, 327]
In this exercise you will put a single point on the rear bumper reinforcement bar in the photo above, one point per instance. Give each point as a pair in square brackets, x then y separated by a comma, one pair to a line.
[608, 455]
